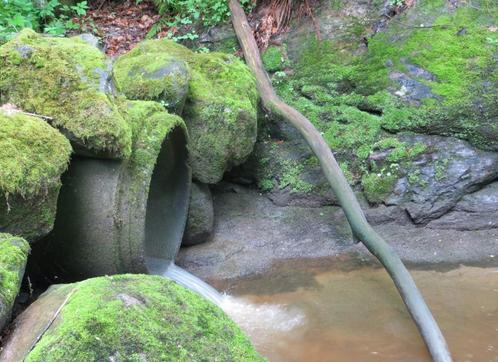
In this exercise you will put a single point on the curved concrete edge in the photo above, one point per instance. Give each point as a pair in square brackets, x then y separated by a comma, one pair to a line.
[121, 216]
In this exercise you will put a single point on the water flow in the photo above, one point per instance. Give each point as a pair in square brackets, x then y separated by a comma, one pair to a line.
[254, 319]
[189, 281]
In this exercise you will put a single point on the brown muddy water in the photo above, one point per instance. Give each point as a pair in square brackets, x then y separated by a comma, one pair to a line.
[296, 314]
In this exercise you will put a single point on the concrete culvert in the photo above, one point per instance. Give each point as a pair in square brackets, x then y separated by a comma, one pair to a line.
[123, 216]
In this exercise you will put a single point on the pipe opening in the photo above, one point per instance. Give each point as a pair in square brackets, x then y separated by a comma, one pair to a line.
[167, 203]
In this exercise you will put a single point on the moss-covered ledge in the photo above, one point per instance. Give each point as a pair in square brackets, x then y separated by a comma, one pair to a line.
[13, 256]
[128, 318]
[33, 155]
[67, 80]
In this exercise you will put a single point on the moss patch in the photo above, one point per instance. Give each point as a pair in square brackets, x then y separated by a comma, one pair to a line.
[357, 101]
[138, 317]
[154, 76]
[65, 79]
[13, 256]
[33, 155]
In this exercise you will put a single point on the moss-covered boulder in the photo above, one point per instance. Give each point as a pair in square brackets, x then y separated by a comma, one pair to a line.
[157, 77]
[220, 110]
[33, 155]
[13, 256]
[65, 79]
[126, 318]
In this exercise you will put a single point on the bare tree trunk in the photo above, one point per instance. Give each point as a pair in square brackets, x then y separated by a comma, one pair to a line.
[361, 229]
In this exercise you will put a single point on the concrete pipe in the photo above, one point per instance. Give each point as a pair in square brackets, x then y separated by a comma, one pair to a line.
[123, 216]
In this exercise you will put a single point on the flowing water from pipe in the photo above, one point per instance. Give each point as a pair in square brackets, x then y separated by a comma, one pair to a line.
[252, 318]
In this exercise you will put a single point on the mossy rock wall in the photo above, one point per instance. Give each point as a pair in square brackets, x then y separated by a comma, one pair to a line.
[128, 318]
[376, 81]
[33, 155]
[220, 109]
[65, 79]
[13, 257]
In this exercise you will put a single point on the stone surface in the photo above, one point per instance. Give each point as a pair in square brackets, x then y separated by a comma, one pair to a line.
[13, 257]
[67, 80]
[33, 156]
[125, 318]
[200, 216]
[251, 234]
[437, 179]
[476, 211]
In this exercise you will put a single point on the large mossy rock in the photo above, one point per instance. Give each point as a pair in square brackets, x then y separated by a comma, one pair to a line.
[126, 318]
[158, 77]
[13, 257]
[33, 156]
[65, 79]
[220, 109]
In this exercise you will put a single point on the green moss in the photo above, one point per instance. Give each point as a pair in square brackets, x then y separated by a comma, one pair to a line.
[220, 110]
[138, 317]
[66, 80]
[377, 186]
[13, 256]
[274, 58]
[152, 76]
[291, 177]
[33, 155]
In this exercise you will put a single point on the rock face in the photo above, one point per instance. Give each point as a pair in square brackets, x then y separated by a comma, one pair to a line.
[126, 317]
[476, 211]
[67, 80]
[220, 109]
[200, 216]
[157, 77]
[394, 99]
[13, 256]
[33, 156]
[436, 180]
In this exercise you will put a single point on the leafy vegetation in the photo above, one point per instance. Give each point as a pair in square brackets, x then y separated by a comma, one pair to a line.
[51, 17]
[182, 14]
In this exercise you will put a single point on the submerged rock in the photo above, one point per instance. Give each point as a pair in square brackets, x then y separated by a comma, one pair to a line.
[13, 256]
[33, 156]
[200, 216]
[126, 317]
[68, 80]
[220, 110]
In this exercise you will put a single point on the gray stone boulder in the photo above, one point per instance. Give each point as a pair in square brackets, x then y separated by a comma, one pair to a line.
[437, 179]
[476, 211]
[13, 257]
[200, 216]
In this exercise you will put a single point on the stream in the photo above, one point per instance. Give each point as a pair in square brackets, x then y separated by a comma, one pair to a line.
[295, 313]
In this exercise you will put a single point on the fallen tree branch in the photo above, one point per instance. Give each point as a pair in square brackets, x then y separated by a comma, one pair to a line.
[411, 296]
